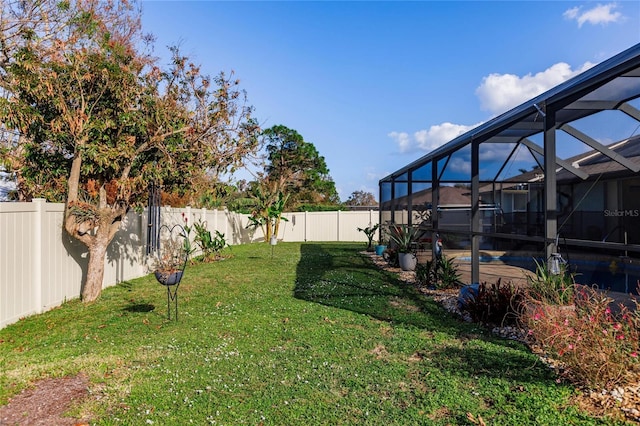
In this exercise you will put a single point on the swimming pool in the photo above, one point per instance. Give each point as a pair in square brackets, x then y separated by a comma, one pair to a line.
[616, 274]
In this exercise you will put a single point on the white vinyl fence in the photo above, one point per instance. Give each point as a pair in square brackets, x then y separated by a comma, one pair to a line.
[41, 266]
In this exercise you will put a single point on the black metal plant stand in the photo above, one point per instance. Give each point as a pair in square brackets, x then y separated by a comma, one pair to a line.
[171, 282]
[171, 279]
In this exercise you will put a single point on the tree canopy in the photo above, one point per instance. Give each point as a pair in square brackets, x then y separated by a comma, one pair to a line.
[294, 175]
[361, 198]
[296, 168]
[99, 119]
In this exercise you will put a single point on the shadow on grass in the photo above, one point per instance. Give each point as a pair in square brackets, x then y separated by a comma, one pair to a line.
[338, 275]
[140, 307]
[495, 360]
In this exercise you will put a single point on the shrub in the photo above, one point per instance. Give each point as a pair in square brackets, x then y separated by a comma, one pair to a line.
[597, 347]
[424, 276]
[370, 232]
[496, 303]
[403, 237]
[210, 246]
[448, 277]
[440, 273]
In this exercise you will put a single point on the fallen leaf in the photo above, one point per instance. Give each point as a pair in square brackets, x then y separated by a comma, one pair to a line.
[479, 421]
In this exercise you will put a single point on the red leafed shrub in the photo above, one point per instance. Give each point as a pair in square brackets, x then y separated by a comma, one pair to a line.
[497, 304]
[596, 342]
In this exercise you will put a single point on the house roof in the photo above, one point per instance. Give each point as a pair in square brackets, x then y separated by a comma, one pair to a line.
[447, 195]
[593, 162]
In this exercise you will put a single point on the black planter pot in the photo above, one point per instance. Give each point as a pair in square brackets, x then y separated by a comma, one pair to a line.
[168, 278]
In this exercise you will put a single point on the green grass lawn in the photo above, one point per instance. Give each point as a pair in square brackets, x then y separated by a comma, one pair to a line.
[313, 335]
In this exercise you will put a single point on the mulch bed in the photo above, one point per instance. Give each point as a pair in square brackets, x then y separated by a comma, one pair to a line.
[45, 403]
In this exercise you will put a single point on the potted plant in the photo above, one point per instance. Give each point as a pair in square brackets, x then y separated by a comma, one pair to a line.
[382, 245]
[370, 231]
[403, 237]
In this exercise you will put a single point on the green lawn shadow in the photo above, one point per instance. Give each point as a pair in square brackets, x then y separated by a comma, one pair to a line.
[338, 275]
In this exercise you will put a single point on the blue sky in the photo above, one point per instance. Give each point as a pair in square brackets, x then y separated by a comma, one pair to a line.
[376, 85]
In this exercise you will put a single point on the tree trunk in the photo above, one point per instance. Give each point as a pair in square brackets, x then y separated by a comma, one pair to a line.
[96, 234]
[97, 241]
[95, 272]
[276, 227]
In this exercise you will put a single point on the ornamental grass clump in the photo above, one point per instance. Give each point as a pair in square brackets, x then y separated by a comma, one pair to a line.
[547, 287]
[596, 342]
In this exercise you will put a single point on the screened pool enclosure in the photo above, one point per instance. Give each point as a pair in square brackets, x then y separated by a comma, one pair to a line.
[557, 174]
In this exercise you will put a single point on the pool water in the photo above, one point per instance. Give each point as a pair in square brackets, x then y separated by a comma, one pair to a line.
[613, 275]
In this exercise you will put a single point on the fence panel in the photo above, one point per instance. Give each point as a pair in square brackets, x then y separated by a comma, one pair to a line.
[17, 276]
[294, 228]
[126, 254]
[41, 266]
[351, 221]
[63, 261]
[322, 226]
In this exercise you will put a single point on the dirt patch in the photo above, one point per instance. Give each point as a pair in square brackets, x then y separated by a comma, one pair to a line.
[46, 402]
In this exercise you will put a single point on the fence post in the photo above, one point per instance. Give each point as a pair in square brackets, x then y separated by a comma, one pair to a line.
[305, 226]
[203, 215]
[338, 221]
[39, 204]
[187, 214]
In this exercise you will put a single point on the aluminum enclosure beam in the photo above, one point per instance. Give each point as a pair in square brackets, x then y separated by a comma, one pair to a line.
[623, 161]
[564, 164]
[550, 190]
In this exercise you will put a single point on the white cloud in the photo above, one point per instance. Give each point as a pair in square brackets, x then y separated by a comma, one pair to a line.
[571, 13]
[460, 165]
[497, 93]
[490, 152]
[602, 14]
[500, 92]
[495, 151]
[439, 134]
[371, 176]
[428, 140]
[402, 139]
